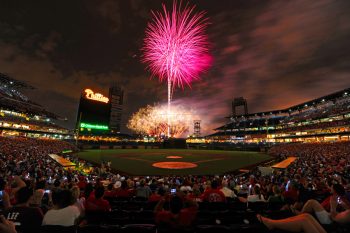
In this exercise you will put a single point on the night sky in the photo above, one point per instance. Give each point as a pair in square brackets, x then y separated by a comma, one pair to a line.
[274, 53]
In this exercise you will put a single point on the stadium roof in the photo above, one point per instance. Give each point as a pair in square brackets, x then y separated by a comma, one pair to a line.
[333, 96]
[14, 100]
[4, 78]
[320, 100]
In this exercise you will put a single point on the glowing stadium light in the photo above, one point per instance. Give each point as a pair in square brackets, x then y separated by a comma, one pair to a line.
[89, 94]
[92, 126]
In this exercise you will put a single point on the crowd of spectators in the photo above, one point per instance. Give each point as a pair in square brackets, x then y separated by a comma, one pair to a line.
[30, 124]
[340, 106]
[315, 126]
[312, 193]
[310, 118]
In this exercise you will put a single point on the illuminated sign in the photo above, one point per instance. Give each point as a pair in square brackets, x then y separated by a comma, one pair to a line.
[66, 151]
[89, 94]
[91, 126]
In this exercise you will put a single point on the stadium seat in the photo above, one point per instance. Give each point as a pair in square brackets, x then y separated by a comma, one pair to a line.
[133, 205]
[212, 228]
[167, 229]
[230, 217]
[212, 217]
[117, 202]
[99, 229]
[144, 228]
[109, 199]
[258, 206]
[58, 229]
[275, 205]
[120, 217]
[237, 206]
[150, 205]
[213, 206]
[204, 217]
[140, 199]
[144, 216]
[96, 217]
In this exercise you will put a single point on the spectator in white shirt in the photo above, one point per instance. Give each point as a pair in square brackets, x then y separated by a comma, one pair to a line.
[256, 196]
[64, 212]
[227, 191]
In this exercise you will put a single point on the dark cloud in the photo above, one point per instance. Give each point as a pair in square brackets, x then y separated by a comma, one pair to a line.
[274, 53]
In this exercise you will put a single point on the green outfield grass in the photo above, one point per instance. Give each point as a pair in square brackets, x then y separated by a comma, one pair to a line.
[139, 161]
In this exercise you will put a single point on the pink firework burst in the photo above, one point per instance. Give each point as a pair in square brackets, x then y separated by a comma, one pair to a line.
[176, 47]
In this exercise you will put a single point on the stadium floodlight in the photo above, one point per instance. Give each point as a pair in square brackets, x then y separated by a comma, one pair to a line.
[92, 126]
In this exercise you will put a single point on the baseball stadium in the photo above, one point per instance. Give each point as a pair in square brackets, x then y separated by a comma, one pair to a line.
[174, 116]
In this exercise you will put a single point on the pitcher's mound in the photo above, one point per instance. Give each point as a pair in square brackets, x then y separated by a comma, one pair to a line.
[174, 165]
[174, 157]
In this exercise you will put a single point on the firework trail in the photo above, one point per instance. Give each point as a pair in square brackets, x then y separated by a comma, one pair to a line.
[176, 47]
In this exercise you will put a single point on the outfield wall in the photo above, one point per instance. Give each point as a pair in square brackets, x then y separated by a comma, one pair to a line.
[236, 147]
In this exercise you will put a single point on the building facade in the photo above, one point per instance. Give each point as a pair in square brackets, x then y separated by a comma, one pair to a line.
[116, 95]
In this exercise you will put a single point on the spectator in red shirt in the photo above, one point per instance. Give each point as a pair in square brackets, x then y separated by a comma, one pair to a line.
[156, 195]
[110, 193]
[82, 183]
[96, 202]
[123, 191]
[291, 195]
[214, 194]
[177, 217]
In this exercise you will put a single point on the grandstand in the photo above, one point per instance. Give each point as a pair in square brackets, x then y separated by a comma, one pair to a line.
[20, 116]
[54, 189]
[323, 119]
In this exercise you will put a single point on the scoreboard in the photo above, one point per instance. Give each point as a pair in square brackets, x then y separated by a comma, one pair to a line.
[94, 113]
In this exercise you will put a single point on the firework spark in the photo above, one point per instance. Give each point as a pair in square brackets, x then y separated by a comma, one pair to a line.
[153, 120]
[176, 47]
